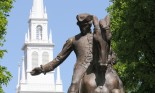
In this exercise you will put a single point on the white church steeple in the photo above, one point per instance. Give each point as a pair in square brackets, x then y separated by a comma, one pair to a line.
[38, 50]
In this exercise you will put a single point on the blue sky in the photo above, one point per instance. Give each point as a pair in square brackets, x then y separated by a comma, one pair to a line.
[62, 22]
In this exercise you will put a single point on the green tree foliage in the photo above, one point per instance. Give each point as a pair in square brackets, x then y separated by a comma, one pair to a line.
[133, 29]
[5, 7]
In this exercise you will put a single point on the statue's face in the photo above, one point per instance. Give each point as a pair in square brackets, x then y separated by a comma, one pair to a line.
[84, 27]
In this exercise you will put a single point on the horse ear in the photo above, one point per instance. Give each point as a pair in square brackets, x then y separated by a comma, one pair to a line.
[105, 27]
[107, 19]
[105, 22]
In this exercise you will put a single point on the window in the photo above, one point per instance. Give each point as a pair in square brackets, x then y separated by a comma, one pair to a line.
[45, 57]
[34, 59]
[39, 32]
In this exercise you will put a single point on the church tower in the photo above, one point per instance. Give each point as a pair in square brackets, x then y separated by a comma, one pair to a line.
[38, 49]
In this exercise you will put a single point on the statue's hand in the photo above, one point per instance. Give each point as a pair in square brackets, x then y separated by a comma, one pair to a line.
[36, 71]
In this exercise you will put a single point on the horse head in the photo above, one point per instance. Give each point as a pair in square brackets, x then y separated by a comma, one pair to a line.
[103, 41]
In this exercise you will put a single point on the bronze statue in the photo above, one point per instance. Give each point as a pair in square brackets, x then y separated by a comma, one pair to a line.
[92, 50]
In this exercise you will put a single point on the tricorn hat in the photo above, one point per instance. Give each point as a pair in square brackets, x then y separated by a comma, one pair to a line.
[84, 18]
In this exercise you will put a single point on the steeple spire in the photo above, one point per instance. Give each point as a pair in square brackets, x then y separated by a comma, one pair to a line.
[23, 70]
[26, 37]
[38, 10]
[50, 37]
[18, 75]
[59, 86]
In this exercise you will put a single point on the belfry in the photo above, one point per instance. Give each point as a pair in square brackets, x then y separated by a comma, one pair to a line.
[38, 49]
